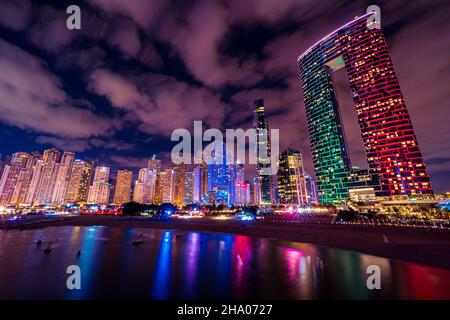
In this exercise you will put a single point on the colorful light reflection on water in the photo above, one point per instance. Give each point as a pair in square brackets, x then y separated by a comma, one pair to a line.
[190, 265]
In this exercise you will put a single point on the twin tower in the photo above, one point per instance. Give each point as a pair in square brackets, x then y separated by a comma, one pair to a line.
[391, 147]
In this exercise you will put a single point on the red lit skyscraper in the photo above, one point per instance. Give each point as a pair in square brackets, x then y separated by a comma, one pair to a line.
[388, 136]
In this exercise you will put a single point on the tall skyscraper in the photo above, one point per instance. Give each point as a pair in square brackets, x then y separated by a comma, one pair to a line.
[63, 177]
[79, 182]
[389, 141]
[178, 184]
[158, 198]
[99, 191]
[264, 181]
[155, 164]
[238, 187]
[219, 174]
[311, 189]
[167, 178]
[189, 187]
[200, 182]
[144, 188]
[255, 193]
[2, 165]
[291, 178]
[16, 176]
[122, 190]
[44, 178]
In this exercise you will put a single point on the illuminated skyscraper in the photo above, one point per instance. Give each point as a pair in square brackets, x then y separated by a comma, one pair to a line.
[167, 178]
[189, 187]
[291, 178]
[219, 174]
[16, 177]
[63, 177]
[99, 191]
[389, 141]
[44, 178]
[264, 181]
[238, 187]
[144, 188]
[311, 189]
[122, 190]
[80, 181]
[155, 164]
[178, 183]
[200, 182]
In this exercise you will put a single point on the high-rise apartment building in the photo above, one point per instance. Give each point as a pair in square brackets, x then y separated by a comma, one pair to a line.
[79, 182]
[264, 181]
[63, 177]
[189, 187]
[44, 178]
[100, 188]
[122, 190]
[15, 178]
[291, 178]
[389, 141]
[144, 188]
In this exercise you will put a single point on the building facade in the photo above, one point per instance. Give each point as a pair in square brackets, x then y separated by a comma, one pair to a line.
[291, 178]
[100, 188]
[122, 190]
[264, 181]
[389, 141]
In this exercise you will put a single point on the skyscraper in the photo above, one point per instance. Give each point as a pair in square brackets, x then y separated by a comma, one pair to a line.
[155, 164]
[238, 187]
[16, 177]
[167, 178]
[178, 183]
[311, 189]
[122, 190]
[291, 178]
[200, 182]
[99, 191]
[219, 174]
[264, 181]
[389, 141]
[44, 177]
[63, 177]
[79, 182]
[144, 188]
[189, 187]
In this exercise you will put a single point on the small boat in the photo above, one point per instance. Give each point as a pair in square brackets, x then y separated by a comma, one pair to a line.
[78, 253]
[138, 242]
[48, 249]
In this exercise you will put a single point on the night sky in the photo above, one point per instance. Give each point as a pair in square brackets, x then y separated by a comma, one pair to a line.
[138, 69]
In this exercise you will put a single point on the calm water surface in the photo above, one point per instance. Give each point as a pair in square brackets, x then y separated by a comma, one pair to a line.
[191, 265]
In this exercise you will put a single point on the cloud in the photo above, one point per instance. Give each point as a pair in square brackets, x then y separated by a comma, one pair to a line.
[74, 145]
[129, 162]
[81, 145]
[125, 36]
[121, 92]
[160, 103]
[32, 98]
[15, 15]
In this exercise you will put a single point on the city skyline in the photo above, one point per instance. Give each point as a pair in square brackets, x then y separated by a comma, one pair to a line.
[109, 129]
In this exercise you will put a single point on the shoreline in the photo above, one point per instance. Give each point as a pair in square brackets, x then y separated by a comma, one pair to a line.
[427, 247]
